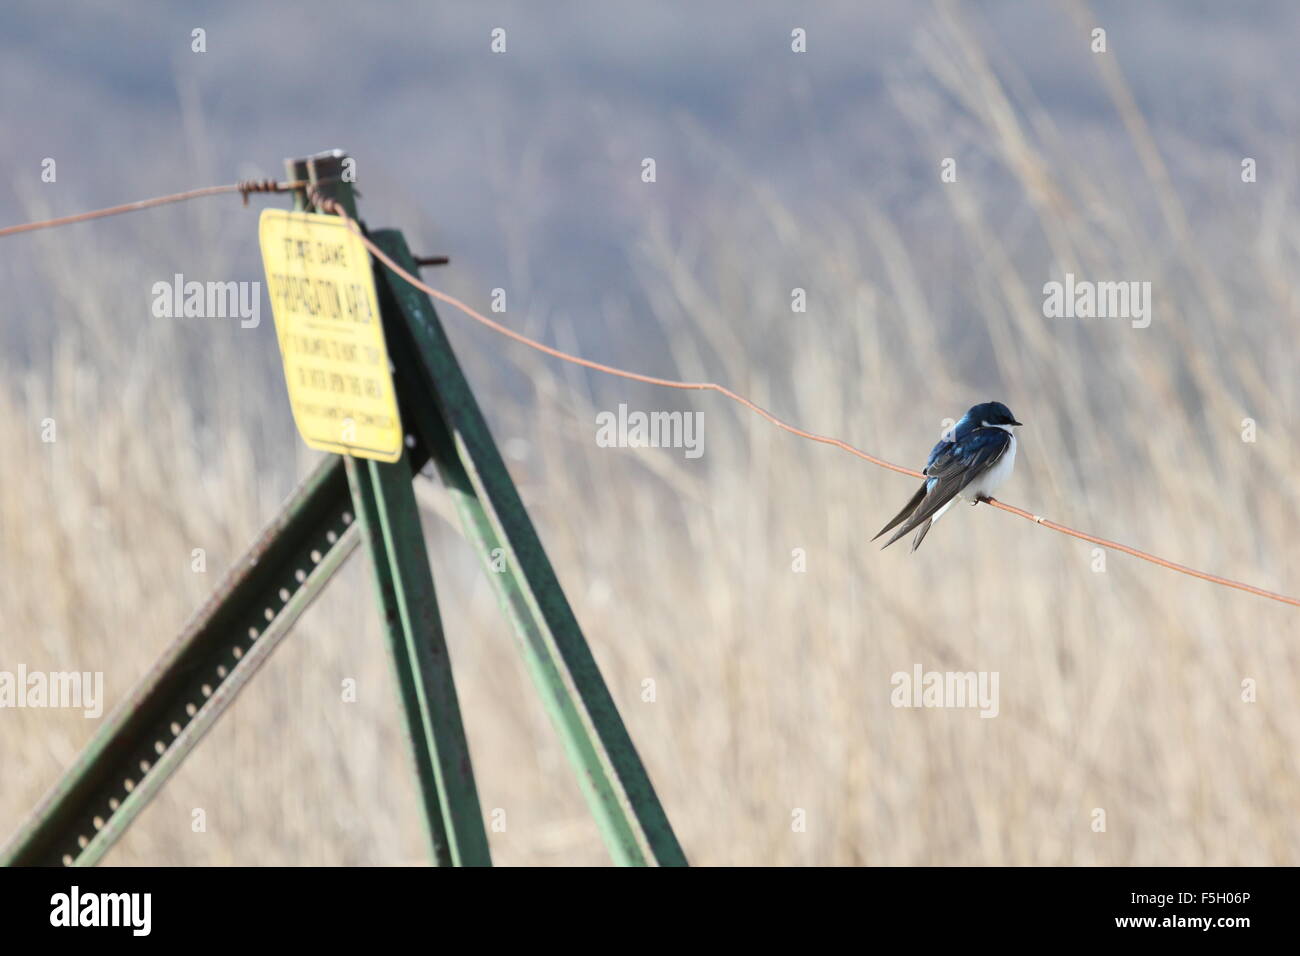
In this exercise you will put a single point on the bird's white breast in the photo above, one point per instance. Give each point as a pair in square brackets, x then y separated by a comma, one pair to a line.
[992, 479]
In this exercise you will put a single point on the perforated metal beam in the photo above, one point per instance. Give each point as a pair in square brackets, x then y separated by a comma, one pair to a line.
[147, 736]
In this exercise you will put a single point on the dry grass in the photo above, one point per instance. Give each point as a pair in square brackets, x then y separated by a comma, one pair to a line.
[1119, 690]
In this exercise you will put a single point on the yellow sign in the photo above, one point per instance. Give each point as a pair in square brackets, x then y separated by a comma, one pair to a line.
[331, 338]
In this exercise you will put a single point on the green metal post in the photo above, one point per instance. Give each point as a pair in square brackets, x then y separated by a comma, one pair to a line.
[389, 517]
[449, 421]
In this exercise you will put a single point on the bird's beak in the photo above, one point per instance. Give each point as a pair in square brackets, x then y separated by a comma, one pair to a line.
[1017, 423]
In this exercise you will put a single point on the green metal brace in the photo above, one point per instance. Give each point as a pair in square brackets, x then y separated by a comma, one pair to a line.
[448, 419]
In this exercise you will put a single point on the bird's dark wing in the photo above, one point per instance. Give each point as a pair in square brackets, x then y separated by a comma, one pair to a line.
[942, 449]
[907, 510]
[935, 453]
[950, 470]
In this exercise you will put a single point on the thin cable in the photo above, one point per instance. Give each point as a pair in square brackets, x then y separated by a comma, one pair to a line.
[329, 205]
[243, 188]
[826, 440]
[634, 376]
[1154, 559]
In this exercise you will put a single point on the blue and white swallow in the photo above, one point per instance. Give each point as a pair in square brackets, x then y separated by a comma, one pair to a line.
[969, 462]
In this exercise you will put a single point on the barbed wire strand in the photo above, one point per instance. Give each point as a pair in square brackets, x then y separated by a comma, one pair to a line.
[329, 205]
[243, 188]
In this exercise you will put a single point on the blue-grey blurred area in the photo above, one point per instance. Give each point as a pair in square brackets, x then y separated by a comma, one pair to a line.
[484, 155]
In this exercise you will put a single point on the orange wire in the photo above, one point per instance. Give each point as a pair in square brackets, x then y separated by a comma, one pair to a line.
[623, 373]
[824, 439]
[332, 206]
[242, 187]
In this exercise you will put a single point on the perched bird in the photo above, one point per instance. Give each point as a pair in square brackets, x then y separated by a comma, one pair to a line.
[969, 462]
